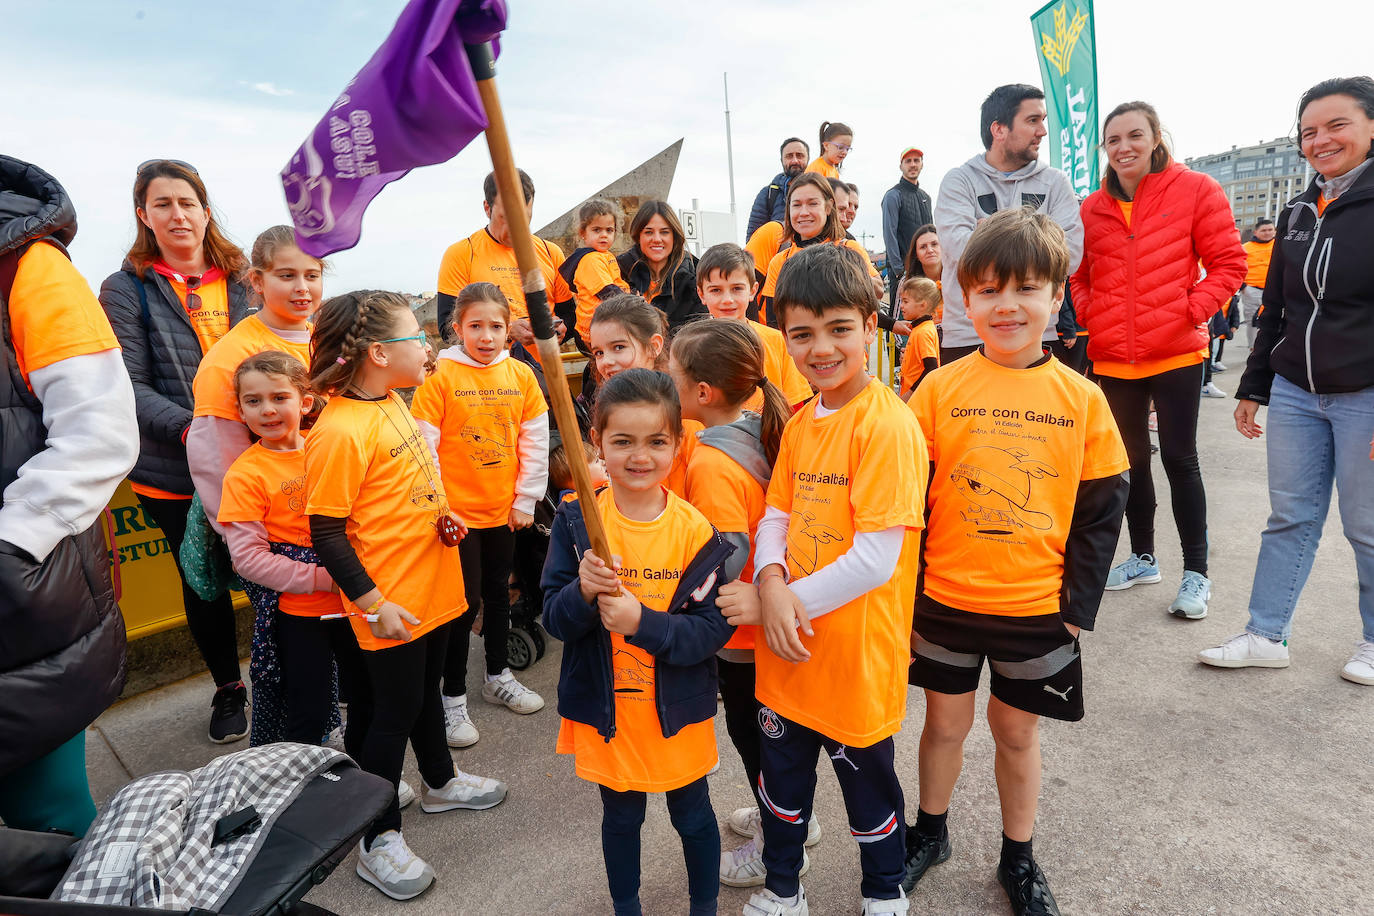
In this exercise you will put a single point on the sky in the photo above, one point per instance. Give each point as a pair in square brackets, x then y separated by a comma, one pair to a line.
[94, 87]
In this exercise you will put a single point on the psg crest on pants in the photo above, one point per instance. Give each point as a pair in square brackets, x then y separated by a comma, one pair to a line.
[770, 723]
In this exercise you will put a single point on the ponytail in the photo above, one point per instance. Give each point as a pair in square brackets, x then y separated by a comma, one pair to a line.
[775, 414]
[728, 356]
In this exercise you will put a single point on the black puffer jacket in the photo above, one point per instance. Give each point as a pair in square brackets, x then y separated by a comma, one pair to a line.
[678, 298]
[61, 633]
[162, 354]
[1317, 326]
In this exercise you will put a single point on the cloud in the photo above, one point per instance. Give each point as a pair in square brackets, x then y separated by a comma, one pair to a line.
[267, 88]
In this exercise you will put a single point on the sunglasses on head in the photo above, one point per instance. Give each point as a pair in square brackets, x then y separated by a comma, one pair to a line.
[150, 162]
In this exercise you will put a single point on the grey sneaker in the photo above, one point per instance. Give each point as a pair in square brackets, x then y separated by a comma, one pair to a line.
[464, 790]
[392, 868]
[1193, 592]
[1134, 570]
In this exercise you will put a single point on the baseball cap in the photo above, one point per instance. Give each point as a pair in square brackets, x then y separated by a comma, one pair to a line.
[908, 151]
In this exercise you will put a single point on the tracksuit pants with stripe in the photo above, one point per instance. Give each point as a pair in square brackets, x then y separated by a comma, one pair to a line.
[872, 801]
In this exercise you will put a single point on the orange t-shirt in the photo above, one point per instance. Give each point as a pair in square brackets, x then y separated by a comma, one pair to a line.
[479, 257]
[1257, 256]
[770, 283]
[639, 759]
[1010, 447]
[923, 344]
[214, 382]
[367, 461]
[764, 245]
[677, 474]
[732, 501]
[821, 166]
[595, 271]
[268, 486]
[780, 369]
[860, 469]
[53, 313]
[211, 320]
[479, 414]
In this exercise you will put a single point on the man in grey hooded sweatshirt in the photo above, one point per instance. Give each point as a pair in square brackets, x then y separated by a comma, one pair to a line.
[1009, 174]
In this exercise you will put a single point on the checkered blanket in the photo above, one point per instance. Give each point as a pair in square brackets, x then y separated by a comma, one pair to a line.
[153, 844]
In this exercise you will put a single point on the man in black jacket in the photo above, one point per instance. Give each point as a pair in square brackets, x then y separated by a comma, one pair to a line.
[771, 202]
[906, 208]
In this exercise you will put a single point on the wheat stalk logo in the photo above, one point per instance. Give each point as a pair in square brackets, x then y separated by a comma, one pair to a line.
[1058, 49]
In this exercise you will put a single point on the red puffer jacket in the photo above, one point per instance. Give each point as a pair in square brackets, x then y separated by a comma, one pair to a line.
[1137, 290]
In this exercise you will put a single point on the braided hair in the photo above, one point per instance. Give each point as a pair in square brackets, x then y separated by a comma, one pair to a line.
[345, 326]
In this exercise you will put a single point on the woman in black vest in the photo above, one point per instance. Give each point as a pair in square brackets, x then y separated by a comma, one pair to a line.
[67, 420]
[658, 265]
[168, 303]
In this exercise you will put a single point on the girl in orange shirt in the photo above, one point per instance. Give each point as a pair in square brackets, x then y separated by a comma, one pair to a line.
[484, 416]
[381, 524]
[718, 367]
[262, 516]
[836, 141]
[637, 686]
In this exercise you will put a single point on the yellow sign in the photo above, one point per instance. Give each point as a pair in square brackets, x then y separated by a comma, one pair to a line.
[1058, 49]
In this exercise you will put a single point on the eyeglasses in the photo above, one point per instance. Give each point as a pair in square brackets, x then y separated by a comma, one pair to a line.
[146, 163]
[192, 297]
[840, 146]
[422, 337]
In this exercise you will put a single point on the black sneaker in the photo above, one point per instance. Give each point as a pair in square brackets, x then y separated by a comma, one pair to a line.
[1027, 888]
[921, 853]
[228, 721]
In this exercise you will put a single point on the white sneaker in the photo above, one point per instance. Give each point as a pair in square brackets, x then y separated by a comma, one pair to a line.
[874, 907]
[1246, 650]
[767, 903]
[464, 790]
[392, 868]
[1210, 390]
[404, 794]
[515, 696]
[743, 866]
[335, 741]
[1360, 668]
[745, 822]
[458, 727]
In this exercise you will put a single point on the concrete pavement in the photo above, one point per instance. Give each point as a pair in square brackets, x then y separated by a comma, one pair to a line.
[1186, 790]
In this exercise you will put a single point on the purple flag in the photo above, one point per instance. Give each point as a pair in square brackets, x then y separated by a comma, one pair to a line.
[414, 103]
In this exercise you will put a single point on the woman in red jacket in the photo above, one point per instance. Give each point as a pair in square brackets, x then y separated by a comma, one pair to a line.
[1145, 303]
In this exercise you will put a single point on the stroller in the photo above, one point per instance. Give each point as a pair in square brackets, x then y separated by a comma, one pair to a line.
[248, 834]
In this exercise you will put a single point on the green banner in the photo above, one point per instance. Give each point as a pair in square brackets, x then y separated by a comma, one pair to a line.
[1066, 46]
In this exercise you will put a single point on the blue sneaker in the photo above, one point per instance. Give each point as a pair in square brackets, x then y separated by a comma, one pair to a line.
[1193, 593]
[1135, 570]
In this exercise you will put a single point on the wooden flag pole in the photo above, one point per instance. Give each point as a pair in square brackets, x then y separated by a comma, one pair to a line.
[536, 299]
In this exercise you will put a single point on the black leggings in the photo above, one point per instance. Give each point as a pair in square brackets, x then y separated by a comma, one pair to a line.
[741, 714]
[486, 555]
[1175, 395]
[404, 703]
[307, 650]
[211, 622]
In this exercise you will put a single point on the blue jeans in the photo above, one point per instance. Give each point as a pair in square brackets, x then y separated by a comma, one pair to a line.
[1313, 441]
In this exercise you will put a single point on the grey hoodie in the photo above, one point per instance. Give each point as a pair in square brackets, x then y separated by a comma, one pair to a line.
[975, 190]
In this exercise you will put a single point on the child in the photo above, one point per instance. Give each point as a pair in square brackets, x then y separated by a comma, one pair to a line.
[1025, 510]
[717, 366]
[629, 333]
[835, 558]
[561, 475]
[288, 283]
[592, 272]
[381, 525]
[637, 687]
[484, 416]
[262, 515]
[919, 298]
[725, 283]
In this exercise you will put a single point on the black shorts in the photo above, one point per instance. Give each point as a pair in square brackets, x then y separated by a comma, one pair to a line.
[1036, 665]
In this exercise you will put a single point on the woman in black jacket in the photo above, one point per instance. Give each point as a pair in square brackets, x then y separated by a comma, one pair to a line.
[658, 265]
[168, 303]
[1313, 365]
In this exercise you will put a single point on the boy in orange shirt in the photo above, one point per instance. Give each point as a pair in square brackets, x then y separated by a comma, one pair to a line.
[1029, 479]
[836, 555]
[592, 272]
[725, 283]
